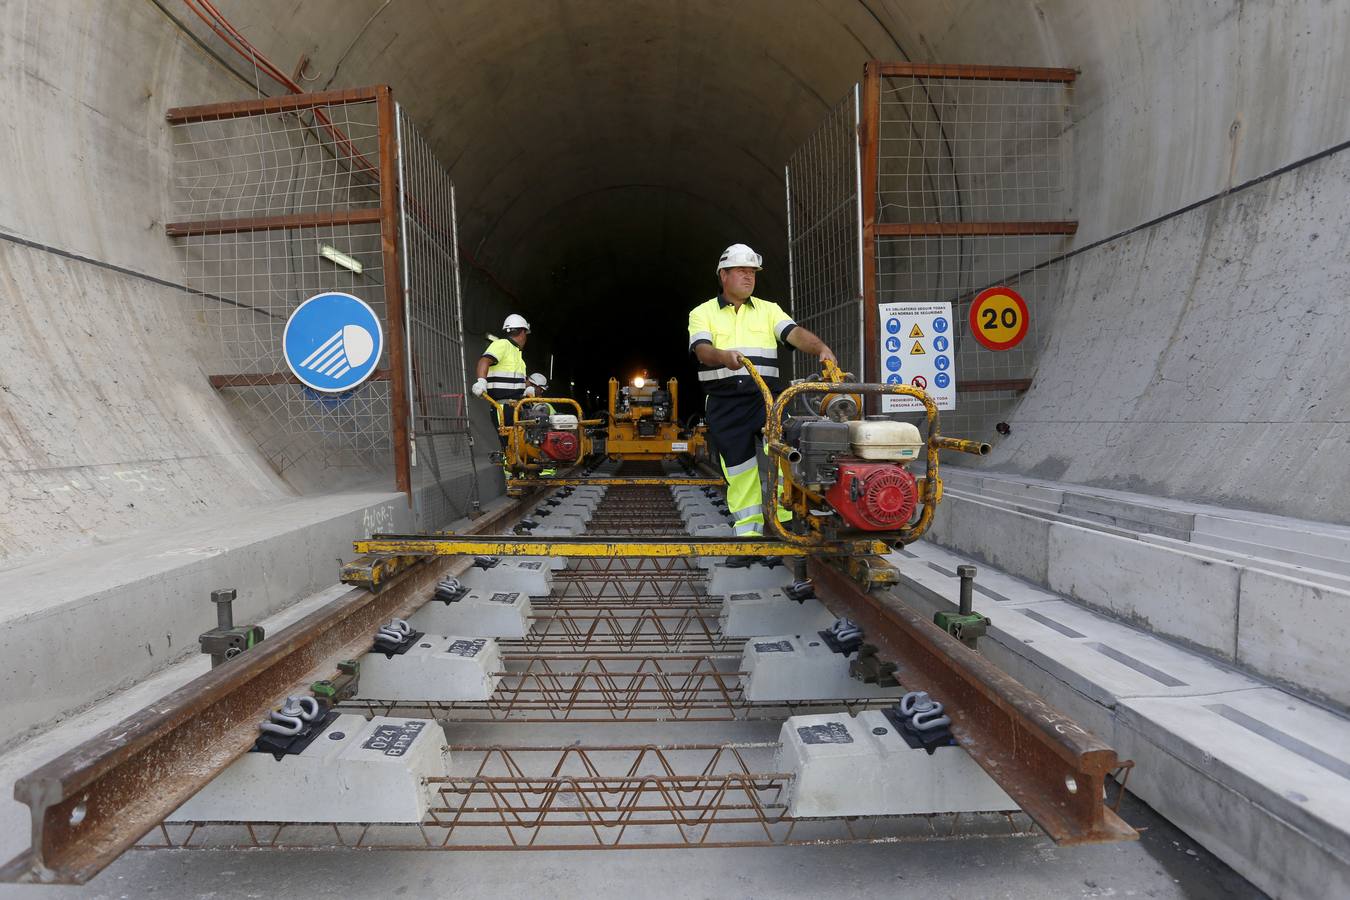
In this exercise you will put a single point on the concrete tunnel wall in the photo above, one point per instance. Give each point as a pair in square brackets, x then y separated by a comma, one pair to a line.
[609, 151]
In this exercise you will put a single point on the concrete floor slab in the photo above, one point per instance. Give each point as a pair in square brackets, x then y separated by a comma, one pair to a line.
[1259, 777]
[107, 616]
[1222, 754]
[1164, 865]
[43, 747]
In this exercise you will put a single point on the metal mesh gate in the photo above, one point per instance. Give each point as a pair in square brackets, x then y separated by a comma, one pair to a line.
[256, 198]
[278, 199]
[931, 183]
[825, 234]
[970, 193]
[442, 459]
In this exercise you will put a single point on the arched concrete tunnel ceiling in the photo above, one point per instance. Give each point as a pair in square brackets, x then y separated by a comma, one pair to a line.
[605, 152]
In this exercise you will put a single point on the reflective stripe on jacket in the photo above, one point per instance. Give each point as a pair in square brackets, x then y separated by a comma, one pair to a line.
[754, 329]
[506, 374]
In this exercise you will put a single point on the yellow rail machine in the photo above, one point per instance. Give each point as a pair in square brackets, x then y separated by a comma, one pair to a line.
[644, 423]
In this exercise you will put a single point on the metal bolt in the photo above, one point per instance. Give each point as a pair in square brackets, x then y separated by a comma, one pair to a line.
[967, 574]
[224, 601]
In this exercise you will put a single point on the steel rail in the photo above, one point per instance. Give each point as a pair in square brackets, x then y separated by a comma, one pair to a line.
[94, 801]
[1053, 767]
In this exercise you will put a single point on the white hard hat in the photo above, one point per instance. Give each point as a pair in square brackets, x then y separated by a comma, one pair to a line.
[740, 255]
[514, 321]
[538, 380]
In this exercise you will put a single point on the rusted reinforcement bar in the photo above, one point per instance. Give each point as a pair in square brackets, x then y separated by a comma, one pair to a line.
[977, 73]
[96, 800]
[238, 109]
[327, 219]
[974, 229]
[265, 379]
[1053, 767]
[1021, 385]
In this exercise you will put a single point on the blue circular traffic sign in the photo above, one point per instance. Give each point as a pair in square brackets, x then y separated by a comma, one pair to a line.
[939, 325]
[942, 363]
[893, 344]
[942, 379]
[894, 379]
[892, 325]
[893, 363]
[332, 342]
[940, 344]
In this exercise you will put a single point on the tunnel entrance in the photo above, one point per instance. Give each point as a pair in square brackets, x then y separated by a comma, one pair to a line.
[925, 184]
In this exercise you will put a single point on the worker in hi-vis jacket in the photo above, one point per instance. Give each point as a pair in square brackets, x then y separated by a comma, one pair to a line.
[729, 328]
[501, 368]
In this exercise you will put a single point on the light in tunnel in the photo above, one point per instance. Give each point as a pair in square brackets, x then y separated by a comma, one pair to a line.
[639, 381]
[334, 255]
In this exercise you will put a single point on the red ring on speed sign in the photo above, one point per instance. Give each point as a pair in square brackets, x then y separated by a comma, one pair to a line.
[989, 312]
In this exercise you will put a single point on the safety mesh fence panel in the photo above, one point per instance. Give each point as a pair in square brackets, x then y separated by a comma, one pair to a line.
[444, 463]
[244, 282]
[824, 235]
[955, 150]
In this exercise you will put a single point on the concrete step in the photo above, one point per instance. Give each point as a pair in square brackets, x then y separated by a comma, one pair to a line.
[1049, 515]
[1316, 538]
[1258, 775]
[19, 760]
[1284, 546]
[1253, 614]
[1028, 495]
[1294, 557]
[1129, 514]
[1251, 561]
[80, 625]
[1325, 546]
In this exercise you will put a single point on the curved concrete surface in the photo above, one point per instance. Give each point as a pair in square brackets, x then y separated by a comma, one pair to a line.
[605, 152]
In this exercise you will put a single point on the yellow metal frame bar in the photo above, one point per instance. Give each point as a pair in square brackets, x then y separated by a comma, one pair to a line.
[502, 545]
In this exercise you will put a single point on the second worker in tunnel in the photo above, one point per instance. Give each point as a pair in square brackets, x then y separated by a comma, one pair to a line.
[501, 370]
[732, 327]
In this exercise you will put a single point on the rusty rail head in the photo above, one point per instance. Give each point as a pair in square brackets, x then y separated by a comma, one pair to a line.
[94, 801]
[1053, 767]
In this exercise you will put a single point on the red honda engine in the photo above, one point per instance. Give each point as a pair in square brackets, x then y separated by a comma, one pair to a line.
[873, 496]
[560, 446]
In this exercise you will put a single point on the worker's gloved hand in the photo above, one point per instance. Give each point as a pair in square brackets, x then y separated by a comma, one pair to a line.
[479, 387]
[529, 392]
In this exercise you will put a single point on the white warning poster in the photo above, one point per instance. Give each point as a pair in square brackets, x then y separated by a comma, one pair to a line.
[916, 349]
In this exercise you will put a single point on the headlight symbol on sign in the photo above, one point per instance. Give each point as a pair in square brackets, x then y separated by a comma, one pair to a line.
[333, 342]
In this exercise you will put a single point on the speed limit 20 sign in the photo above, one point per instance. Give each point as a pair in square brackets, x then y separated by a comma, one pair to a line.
[999, 318]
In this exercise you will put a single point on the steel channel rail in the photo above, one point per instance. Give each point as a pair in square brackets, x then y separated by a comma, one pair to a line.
[94, 801]
[1052, 767]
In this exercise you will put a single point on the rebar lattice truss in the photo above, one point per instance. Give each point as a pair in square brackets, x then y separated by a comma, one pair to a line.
[649, 629]
[613, 688]
[588, 798]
